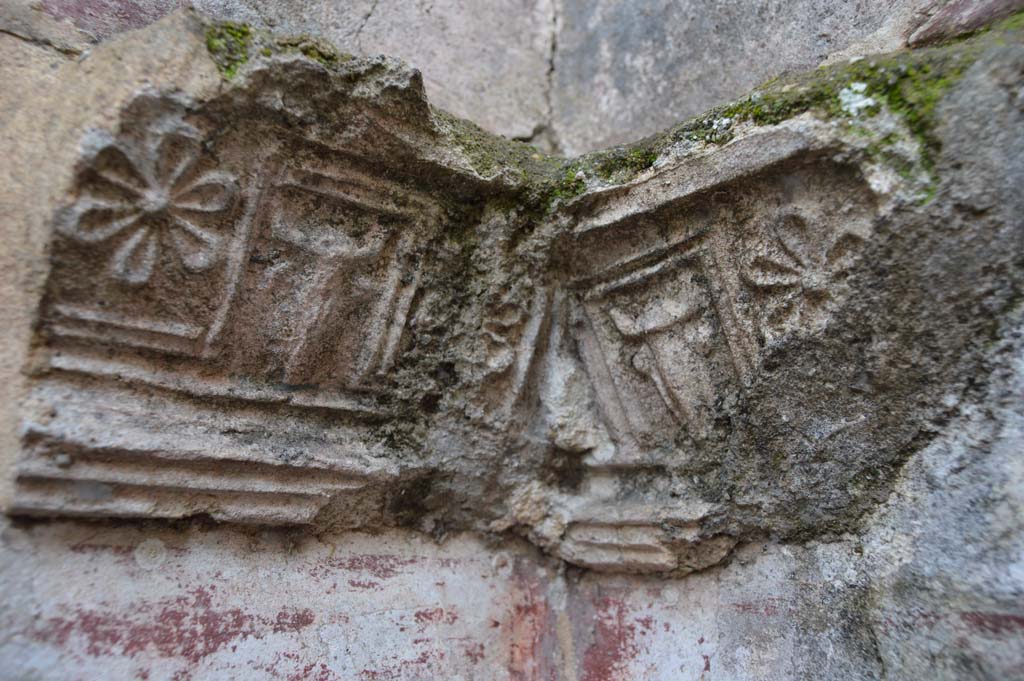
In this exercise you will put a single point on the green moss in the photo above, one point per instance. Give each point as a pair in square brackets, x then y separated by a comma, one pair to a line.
[231, 45]
[490, 154]
[228, 44]
[313, 48]
[624, 162]
[909, 84]
[882, 151]
[572, 182]
[1015, 22]
[543, 179]
[617, 165]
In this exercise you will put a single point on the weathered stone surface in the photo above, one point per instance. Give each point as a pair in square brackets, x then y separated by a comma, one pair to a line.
[571, 76]
[290, 298]
[960, 16]
[624, 70]
[265, 282]
[484, 61]
[488, 62]
[48, 149]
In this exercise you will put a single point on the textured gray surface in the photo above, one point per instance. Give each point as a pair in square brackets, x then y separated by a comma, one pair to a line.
[628, 69]
[486, 61]
[570, 75]
[781, 367]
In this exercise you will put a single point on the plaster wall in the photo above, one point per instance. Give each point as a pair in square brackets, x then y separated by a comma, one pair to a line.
[568, 75]
[930, 589]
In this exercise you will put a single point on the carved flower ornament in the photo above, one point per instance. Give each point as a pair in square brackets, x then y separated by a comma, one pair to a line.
[149, 198]
[798, 271]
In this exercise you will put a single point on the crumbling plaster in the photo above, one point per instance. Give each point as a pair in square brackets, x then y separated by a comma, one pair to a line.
[918, 574]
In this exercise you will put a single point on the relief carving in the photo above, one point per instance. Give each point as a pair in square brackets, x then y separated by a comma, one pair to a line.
[152, 197]
[179, 274]
[301, 280]
[659, 325]
[156, 202]
[152, 213]
[329, 280]
[673, 310]
[797, 271]
[270, 317]
[785, 263]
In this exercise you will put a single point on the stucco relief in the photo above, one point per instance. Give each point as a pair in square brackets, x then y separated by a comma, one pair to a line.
[250, 279]
[792, 256]
[189, 271]
[329, 279]
[667, 315]
[268, 317]
[151, 202]
[292, 283]
[298, 276]
[151, 214]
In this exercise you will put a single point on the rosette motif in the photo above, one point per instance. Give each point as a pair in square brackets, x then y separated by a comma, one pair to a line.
[153, 200]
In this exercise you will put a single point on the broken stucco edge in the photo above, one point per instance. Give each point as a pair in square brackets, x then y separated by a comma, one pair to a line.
[905, 86]
[894, 84]
[548, 175]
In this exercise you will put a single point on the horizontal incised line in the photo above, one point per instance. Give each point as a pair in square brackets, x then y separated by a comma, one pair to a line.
[170, 474]
[623, 546]
[184, 382]
[185, 485]
[118, 337]
[354, 191]
[615, 558]
[65, 497]
[632, 270]
[177, 329]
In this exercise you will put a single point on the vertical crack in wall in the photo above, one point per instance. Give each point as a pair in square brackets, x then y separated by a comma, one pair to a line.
[362, 24]
[876, 647]
[549, 84]
[543, 134]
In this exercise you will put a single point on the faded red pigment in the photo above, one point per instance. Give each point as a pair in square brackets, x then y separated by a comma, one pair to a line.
[529, 625]
[188, 627]
[436, 615]
[614, 643]
[380, 565]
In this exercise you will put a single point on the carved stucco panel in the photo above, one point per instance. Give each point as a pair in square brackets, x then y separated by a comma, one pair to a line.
[142, 261]
[187, 267]
[294, 323]
[785, 247]
[671, 312]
